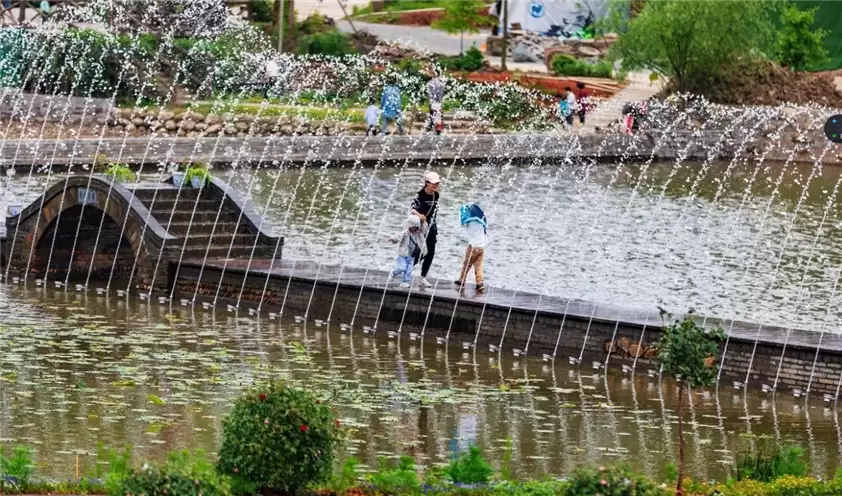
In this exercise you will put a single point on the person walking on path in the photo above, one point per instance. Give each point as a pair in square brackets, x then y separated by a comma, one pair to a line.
[571, 105]
[271, 71]
[372, 115]
[411, 246]
[390, 102]
[435, 93]
[425, 205]
[584, 102]
[475, 224]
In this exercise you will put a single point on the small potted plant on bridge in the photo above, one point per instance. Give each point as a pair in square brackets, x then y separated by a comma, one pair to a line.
[177, 175]
[197, 175]
[120, 173]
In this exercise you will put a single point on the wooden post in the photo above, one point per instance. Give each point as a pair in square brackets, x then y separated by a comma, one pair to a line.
[342, 5]
[290, 8]
[22, 12]
[505, 34]
[280, 7]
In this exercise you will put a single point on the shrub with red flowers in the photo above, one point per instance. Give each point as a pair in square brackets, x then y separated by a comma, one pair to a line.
[278, 439]
[611, 481]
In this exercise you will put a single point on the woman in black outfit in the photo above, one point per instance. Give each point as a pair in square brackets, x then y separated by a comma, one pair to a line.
[425, 205]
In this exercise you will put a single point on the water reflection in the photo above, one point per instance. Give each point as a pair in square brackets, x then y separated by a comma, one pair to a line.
[77, 370]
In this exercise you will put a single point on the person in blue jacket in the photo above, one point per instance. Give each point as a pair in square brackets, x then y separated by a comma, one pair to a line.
[390, 103]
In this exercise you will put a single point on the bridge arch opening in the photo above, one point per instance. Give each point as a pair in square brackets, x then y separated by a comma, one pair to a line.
[95, 249]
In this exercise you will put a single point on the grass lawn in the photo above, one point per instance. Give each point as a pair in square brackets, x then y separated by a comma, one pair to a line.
[311, 113]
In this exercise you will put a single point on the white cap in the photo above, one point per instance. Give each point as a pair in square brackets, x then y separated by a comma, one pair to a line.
[413, 221]
[432, 177]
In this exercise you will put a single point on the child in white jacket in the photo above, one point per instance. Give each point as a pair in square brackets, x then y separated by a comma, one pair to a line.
[412, 246]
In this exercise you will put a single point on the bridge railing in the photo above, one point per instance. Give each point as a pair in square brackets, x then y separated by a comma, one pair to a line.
[29, 13]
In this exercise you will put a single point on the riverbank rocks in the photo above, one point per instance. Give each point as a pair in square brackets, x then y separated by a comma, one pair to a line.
[191, 123]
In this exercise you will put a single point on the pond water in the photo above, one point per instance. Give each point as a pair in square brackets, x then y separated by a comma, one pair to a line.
[727, 241]
[755, 243]
[77, 370]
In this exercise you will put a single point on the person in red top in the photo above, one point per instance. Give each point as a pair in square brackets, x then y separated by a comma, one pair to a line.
[584, 102]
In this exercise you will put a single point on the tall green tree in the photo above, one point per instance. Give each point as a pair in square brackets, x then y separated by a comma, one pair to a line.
[461, 16]
[691, 41]
[800, 45]
[688, 352]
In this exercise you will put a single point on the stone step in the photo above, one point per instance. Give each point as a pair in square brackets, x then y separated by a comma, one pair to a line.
[185, 215]
[162, 209]
[221, 251]
[148, 194]
[201, 239]
[205, 226]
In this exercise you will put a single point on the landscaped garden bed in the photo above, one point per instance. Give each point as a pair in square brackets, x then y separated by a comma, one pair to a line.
[421, 17]
[551, 85]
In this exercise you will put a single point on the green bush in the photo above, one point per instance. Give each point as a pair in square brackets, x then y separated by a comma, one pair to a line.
[278, 438]
[610, 481]
[330, 43]
[396, 480]
[472, 60]
[469, 468]
[800, 44]
[199, 171]
[183, 473]
[121, 173]
[16, 467]
[567, 65]
[262, 10]
[314, 24]
[771, 461]
[346, 477]
[80, 62]
[118, 468]
[785, 486]
[152, 481]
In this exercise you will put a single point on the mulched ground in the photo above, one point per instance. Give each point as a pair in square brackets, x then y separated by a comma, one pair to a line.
[769, 84]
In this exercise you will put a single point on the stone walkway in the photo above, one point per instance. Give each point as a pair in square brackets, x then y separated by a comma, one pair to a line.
[640, 88]
[525, 301]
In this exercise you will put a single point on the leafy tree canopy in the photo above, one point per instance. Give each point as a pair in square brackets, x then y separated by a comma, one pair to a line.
[691, 41]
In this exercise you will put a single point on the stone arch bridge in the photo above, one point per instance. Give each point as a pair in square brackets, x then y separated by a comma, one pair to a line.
[92, 228]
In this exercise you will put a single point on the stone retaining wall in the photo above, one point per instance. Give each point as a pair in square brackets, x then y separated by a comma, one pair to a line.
[51, 108]
[616, 343]
[548, 148]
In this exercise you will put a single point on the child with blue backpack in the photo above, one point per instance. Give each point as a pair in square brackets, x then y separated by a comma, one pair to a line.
[475, 225]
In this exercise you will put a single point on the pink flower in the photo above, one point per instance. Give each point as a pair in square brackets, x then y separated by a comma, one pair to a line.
[603, 482]
[602, 468]
[236, 470]
[266, 421]
[303, 428]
